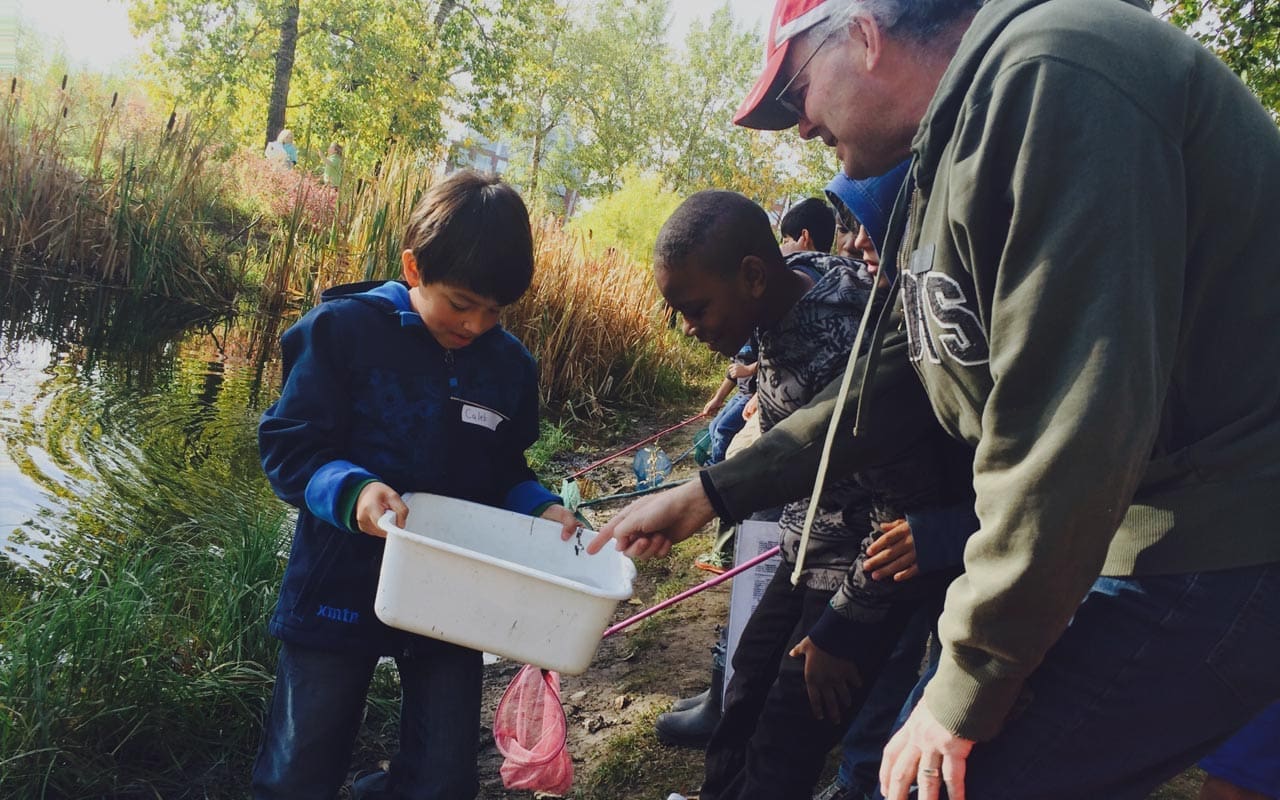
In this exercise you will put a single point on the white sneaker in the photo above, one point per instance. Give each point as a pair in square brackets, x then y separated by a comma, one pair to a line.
[674, 796]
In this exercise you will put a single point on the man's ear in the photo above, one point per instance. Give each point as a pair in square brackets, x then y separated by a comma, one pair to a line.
[866, 31]
[752, 273]
[805, 240]
[409, 265]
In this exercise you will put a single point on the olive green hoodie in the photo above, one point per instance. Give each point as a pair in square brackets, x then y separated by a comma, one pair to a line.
[1092, 293]
[1090, 283]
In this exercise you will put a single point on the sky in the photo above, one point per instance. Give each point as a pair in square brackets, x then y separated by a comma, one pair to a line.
[748, 12]
[96, 32]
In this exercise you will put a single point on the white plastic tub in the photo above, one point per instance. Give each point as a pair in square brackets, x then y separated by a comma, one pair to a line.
[498, 581]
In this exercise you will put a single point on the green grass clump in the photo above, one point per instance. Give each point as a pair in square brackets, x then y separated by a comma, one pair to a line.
[119, 671]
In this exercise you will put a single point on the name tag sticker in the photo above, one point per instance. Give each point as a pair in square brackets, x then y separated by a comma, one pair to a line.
[484, 417]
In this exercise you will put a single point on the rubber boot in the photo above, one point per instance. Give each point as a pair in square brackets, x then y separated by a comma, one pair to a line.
[686, 703]
[692, 726]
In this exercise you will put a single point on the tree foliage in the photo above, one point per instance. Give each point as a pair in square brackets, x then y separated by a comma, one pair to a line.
[629, 218]
[587, 96]
[600, 95]
[364, 72]
[620, 64]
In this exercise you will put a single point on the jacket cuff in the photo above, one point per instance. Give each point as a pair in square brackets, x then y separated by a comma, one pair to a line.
[525, 498]
[717, 502]
[971, 702]
[329, 487]
[940, 535]
[835, 634]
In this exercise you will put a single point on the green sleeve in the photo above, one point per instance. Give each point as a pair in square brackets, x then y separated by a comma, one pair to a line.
[347, 504]
[1065, 198]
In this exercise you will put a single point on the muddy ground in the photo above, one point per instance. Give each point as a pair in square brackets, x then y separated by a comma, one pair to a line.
[640, 672]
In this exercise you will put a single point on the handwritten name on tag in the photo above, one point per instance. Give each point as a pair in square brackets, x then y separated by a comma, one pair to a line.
[484, 417]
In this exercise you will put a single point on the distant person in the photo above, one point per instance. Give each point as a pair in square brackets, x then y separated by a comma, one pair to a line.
[332, 174]
[809, 225]
[738, 386]
[390, 388]
[282, 152]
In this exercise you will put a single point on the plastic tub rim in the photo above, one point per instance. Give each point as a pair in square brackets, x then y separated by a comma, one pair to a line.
[387, 523]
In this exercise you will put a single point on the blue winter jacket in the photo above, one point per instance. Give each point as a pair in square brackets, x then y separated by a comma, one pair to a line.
[370, 395]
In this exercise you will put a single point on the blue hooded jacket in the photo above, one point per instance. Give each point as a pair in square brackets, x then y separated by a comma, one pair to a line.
[369, 394]
[870, 200]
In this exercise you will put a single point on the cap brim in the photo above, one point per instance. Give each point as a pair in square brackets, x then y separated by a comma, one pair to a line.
[760, 109]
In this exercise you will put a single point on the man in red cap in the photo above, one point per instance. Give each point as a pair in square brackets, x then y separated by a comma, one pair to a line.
[1087, 278]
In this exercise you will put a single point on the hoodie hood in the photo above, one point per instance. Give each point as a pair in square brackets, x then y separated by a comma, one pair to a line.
[939, 121]
[870, 200]
[382, 292]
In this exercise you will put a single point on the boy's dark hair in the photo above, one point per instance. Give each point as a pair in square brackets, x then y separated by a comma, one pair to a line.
[472, 230]
[815, 216]
[721, 228]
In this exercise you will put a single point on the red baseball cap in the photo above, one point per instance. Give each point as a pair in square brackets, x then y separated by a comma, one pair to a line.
[790, 19]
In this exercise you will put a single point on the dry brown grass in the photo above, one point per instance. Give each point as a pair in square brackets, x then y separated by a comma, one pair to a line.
[596, 324]
[597, 327]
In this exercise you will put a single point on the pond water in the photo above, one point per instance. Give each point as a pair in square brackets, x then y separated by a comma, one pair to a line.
[104, 397]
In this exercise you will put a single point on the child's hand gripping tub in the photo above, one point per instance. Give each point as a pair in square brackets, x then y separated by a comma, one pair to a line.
[498, 581]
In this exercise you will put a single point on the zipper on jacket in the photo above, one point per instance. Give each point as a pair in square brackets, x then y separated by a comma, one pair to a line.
[453, 375]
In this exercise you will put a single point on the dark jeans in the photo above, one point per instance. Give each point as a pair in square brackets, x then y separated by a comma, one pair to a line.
[768, 745]
[1151, 674]
[864, 742]
[319, 702]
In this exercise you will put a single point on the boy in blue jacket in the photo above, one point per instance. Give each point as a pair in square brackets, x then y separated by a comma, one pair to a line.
[391, 388]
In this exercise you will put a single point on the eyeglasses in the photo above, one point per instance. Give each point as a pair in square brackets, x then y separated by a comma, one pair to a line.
[781, 98]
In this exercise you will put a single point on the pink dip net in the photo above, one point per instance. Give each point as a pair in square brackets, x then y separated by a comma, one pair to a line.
[530, 731]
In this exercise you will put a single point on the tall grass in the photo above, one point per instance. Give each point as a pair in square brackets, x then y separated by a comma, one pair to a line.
[597, 327]
[107, 200]
[595, 323]
[122, 671]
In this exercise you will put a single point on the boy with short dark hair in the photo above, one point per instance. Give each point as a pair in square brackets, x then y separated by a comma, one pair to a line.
[716, 262]
[808, 225]
[392, 388]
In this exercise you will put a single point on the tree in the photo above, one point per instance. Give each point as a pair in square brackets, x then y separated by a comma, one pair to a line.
[367, 71]
[284, 69]
[703, 148]
[532, 108]
[619, 63]
[719, 64]
[629, 219]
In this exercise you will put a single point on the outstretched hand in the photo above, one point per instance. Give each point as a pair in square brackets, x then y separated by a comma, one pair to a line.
[648, 527]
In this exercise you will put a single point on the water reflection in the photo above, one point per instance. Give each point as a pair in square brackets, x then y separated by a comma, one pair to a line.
[116, 410]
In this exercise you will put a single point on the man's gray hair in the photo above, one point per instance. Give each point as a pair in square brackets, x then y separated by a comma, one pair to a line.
[919, 20]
